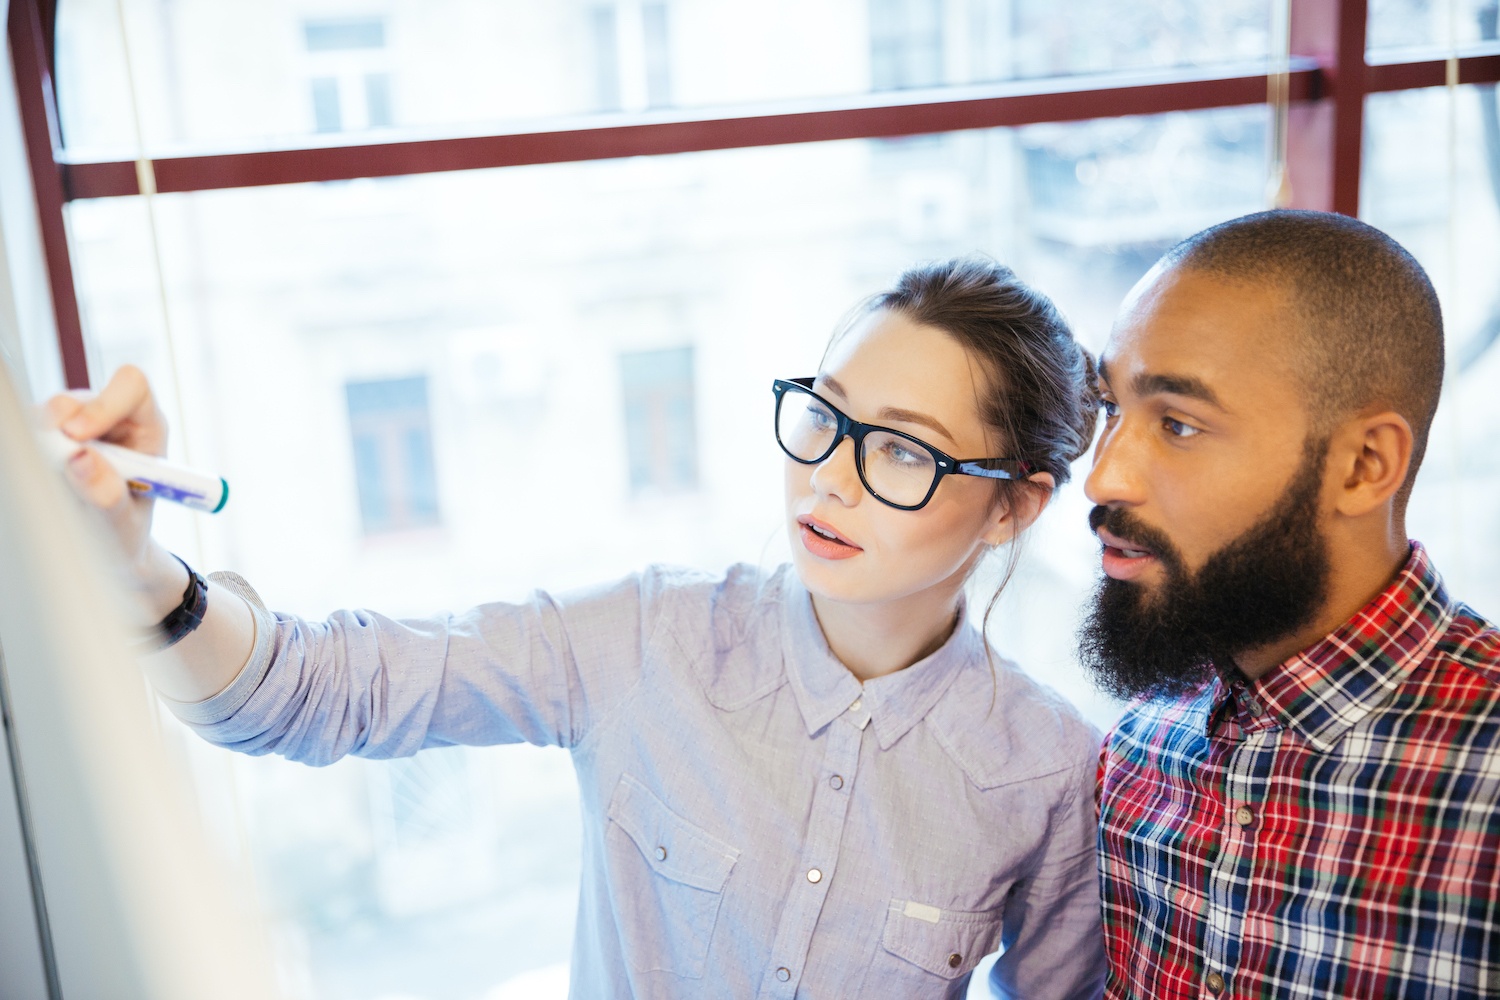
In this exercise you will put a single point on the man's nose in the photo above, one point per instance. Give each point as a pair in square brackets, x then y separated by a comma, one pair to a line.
[1117, 476]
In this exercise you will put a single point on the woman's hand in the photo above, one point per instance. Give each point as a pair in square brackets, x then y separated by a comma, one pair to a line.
[124, 413]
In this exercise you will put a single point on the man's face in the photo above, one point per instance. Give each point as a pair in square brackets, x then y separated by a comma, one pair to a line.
[1207, 484]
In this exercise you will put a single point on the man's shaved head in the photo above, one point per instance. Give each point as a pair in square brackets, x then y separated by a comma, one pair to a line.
[1369, 330]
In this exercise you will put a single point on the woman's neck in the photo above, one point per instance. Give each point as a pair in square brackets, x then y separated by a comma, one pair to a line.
[873, 640]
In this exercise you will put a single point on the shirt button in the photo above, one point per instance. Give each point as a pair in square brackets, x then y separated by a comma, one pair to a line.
[814, 875]
[837, 782]
[1215, 983]
[661, 854]
[1244, 815]
[783, 973]
[954, 960]
[858, 704]
[1255, 708]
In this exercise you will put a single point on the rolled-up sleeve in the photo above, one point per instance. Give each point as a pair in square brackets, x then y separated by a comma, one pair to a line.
[1053, 938]
[540, 671]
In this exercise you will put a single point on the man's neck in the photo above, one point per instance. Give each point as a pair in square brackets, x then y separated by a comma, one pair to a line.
[1360, 569]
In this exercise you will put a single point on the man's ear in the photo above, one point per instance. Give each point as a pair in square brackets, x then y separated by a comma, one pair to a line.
[1025, 506]
[1370, 456]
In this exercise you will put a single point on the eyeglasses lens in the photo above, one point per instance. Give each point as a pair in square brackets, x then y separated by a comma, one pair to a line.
[805, 426]
[896, 469]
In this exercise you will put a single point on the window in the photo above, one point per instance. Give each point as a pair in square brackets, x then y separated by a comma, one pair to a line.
[659, 428]
[906, 44]
[393, 465]
[348, 74]
[631, 56]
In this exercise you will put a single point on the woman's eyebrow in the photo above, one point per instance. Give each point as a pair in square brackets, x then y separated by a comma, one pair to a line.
[894, 412]
[913, 417]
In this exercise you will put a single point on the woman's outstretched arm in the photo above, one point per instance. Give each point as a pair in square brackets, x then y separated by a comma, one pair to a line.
[541, 671]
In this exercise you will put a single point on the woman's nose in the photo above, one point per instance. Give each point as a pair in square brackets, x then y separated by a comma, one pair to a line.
[836, 476]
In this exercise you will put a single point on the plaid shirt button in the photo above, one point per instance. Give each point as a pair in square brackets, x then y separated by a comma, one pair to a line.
[1244, 815]
[1215, 983]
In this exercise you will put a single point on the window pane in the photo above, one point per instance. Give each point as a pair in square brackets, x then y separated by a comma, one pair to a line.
[327, 113]
[1432, 180]
[213, 72]
[1406, 23]
[584, 331]
[333, 36]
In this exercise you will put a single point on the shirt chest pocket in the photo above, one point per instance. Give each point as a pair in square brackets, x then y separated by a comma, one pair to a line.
[944, 943]
[667, 880]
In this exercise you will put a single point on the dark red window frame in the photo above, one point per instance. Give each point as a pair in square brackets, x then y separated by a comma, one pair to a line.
[1330, 76]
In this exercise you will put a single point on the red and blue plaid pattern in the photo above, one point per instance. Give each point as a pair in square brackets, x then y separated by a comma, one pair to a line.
[1331, 829]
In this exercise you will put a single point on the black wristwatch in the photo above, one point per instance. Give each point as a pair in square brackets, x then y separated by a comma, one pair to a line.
[182, 619]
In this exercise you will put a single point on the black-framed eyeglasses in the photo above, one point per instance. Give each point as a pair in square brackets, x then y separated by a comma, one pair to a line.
[898, 470]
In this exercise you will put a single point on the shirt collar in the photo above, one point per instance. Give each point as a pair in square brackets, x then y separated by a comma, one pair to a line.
[1332, 685]
[825, 689]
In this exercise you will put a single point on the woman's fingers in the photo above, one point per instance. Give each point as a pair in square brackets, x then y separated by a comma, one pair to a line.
[124, 412]
[96, 479]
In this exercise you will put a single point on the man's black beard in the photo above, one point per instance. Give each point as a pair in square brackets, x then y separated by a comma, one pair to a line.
[1263, 586]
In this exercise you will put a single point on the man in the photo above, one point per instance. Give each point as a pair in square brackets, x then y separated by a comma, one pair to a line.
[1304, 799]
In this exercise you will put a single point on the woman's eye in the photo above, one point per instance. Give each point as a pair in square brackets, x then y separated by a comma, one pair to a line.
[901, 455]
[1177, 428]
[820, 417]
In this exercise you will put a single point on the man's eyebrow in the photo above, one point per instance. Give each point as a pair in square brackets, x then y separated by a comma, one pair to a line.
[894, 412]
[1165, 383]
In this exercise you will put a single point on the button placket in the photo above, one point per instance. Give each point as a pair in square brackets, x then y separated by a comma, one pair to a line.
[1245, 769]
[820, 855]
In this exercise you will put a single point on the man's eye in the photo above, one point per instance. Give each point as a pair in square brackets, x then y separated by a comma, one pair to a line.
[1179, 429]
[1110, 407]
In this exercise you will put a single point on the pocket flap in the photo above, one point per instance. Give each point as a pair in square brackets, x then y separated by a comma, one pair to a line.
[673, 847]
[946, 943]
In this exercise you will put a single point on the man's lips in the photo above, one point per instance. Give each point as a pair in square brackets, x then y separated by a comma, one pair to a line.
[1127, 548]
[1123, 560]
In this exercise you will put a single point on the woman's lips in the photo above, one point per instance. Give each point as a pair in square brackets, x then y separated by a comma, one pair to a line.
[824, 541]
[1123, 560]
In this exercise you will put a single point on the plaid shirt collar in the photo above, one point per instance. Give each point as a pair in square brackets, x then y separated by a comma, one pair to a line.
[1325, 689]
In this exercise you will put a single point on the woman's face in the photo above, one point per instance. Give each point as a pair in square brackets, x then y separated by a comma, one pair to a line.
[891, 371]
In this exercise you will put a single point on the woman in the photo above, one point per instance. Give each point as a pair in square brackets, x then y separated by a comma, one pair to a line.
[815, 782]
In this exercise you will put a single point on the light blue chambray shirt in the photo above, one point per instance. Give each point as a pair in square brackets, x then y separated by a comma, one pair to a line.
[757, 823]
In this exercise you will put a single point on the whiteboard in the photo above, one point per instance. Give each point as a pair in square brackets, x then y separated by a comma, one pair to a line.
[135, 903]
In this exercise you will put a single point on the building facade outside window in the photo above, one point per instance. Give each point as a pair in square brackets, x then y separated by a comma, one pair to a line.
[660, 433]
[391, 428]
[348, 74]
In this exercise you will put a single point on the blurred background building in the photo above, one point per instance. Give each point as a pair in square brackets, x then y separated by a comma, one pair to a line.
[443, 388]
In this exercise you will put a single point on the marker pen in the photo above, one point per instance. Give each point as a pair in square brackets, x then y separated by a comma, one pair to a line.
[146, 475]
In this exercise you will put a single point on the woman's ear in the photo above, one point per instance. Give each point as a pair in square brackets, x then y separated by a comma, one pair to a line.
[1024, 505]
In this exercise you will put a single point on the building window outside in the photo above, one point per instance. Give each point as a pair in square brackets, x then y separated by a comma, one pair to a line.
[631, 56]
[906, 44]
[348, 74]
[391, 428]
[660, 433]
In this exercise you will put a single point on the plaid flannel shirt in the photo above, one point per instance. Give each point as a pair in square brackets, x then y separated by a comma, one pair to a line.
[1331, 829]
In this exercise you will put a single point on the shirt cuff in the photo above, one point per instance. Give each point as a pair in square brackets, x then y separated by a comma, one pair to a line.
[223, 705]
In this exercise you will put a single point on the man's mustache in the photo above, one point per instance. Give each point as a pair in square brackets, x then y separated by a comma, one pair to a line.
[1127, 527]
